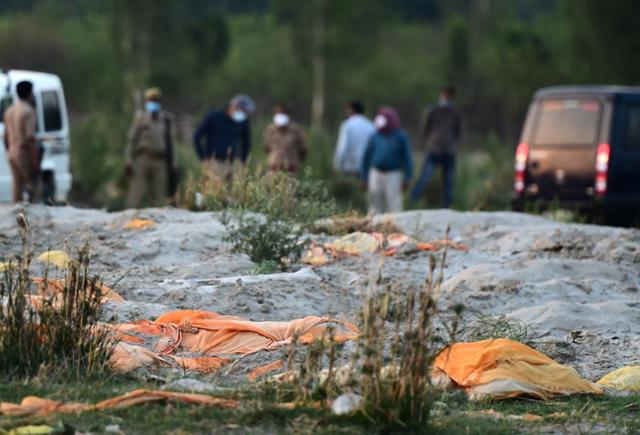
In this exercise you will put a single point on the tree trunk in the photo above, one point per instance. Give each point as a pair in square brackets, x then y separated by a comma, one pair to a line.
[318, 66]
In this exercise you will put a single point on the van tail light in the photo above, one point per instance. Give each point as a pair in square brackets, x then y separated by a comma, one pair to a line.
[522, 155]
[602, 168]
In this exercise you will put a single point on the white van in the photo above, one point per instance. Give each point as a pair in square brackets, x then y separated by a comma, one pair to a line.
[52, 132]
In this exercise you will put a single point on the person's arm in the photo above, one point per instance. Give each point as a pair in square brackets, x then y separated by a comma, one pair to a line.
[457, 127]
[407, 158]
[341, 148]
[302, 144]
[172, 140]
[426, 128]
[202, 130]
[246, 140]
[6, 133]
[133, 136]
[366, 161]
[266, 139]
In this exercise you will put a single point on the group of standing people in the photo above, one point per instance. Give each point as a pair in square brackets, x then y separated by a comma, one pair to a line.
[377, 152]
[222, 142]
[380, 153]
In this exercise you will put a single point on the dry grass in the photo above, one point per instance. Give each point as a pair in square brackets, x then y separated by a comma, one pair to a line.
[57, 335]
[388, 366]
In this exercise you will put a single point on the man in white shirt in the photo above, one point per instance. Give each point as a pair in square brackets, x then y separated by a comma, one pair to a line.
[353, 138]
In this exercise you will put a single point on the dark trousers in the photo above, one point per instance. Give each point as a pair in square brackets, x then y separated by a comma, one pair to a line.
[431, 163]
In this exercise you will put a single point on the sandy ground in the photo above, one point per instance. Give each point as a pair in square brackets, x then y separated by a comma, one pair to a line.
[576, 286]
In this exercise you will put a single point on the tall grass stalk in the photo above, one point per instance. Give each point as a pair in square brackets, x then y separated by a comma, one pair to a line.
[56, 333]
[390, 366]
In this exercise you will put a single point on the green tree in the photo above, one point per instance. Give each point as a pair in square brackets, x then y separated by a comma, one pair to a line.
[605, 44]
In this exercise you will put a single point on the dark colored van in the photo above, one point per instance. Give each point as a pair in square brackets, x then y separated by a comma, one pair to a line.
[580, 149]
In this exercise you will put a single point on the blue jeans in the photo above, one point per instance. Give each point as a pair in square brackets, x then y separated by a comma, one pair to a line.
[431, 163]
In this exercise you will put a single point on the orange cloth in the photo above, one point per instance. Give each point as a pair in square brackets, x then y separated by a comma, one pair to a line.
[139, 224]
[503, 368]
[209, 334]
[38, 407]
[264, 369]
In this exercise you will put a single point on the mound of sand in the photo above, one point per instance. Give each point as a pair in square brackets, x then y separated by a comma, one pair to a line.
[575, 285]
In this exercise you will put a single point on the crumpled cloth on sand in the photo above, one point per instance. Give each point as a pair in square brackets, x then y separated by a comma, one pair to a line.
[358, 243]
[501, 368]
[50, 291]
[213, 338]
[32, 406]
[625, 378]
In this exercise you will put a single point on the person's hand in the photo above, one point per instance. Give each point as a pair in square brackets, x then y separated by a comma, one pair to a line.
[128, 170]
[405, 186]
[364, 185]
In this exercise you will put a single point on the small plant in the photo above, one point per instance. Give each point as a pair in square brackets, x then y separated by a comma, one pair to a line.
[267, 214]
[270, 242]
[56, 333]
[490, 327]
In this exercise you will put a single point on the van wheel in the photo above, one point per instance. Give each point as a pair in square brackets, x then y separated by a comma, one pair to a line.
[48, 188]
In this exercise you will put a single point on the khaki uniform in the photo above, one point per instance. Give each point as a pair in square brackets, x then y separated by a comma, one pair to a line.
[147, 154]
[286, 147]
[20, 128]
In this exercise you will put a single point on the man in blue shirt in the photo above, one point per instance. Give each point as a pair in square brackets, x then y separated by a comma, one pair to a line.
[353, 138]
[227, 140]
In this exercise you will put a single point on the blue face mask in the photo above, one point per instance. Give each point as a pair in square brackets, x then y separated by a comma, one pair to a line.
[239, 116]
[152, 106]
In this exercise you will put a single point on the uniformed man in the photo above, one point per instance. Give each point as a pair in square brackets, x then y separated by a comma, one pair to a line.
[150, 153]
[20, 141]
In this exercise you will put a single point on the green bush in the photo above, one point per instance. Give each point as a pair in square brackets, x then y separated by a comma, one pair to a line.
[267, 214]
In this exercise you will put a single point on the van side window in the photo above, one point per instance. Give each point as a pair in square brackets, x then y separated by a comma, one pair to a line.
[632, 127]
[5, 102]
[51, 111]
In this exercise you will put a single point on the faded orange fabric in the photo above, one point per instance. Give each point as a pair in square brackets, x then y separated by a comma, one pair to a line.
[264, 369]
[37, 407]
[53, 287]
[359, 243]
[503, 368]
[139, 224]
[207, 335]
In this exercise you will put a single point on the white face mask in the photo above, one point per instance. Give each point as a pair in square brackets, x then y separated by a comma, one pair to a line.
[380, 122]
[281, 119]
[239, 116]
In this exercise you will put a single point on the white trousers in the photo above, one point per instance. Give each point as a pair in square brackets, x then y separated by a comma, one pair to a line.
[385, 191]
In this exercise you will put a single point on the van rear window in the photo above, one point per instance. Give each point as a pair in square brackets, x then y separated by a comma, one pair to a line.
[567, 122]
[51, 111]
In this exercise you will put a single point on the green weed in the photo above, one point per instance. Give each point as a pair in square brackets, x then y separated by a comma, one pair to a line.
[268, 214]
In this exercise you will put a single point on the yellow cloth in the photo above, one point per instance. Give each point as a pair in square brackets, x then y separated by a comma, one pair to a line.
[58, 258]
[625, 378]
[499, 369]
